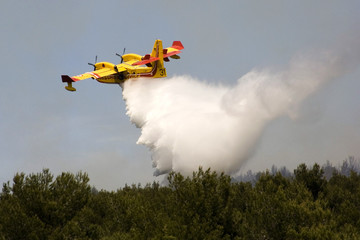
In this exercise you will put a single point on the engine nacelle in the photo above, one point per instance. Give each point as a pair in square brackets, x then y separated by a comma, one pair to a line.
[101, 65]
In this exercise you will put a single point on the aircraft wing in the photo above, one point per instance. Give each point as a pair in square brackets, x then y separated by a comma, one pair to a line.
[167, 52]
[103, 72]
[94, 74]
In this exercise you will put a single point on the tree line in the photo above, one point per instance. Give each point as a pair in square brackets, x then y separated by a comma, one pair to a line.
[207, 205]
[350, 164]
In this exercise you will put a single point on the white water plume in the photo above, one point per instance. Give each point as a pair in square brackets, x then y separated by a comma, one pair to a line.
[187, 123]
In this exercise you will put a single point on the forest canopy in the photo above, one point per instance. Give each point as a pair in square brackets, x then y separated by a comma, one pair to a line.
[305, 204]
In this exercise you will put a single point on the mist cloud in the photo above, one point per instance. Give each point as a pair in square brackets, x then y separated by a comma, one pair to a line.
[187, 123]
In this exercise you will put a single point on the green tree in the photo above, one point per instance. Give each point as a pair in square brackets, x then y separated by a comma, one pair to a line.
[36, 206]
[313, 178]
[343, 196]
[202, 207]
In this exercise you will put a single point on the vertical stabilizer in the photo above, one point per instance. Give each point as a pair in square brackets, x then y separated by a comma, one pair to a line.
[157, 52]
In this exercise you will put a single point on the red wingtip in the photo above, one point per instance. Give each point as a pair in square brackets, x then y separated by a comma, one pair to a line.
[177, 45]
[66, 78]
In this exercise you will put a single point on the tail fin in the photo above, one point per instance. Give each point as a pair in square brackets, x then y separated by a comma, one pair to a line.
[157, 52]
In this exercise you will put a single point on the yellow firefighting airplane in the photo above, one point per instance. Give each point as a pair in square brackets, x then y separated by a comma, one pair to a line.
[130, 66]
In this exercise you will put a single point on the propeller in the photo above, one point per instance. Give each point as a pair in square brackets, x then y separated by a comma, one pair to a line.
[93, 64]
[121, 55]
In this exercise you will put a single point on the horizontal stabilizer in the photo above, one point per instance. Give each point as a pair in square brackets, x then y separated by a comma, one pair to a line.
[175, 56]
[167, 52]
[149, 60]
[172, 53]
[177, 45]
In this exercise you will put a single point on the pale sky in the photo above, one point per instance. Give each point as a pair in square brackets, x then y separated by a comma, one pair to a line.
[44, 126]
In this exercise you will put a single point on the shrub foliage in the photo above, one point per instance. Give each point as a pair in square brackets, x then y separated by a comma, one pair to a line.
[207, 205]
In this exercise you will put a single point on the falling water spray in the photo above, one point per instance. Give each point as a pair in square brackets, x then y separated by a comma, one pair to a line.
[187, 123]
